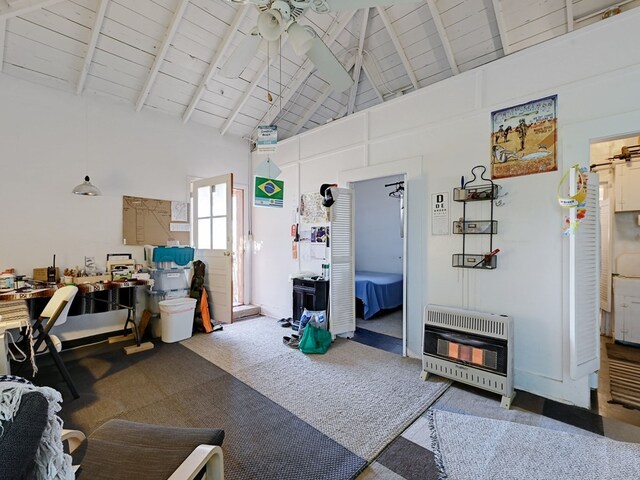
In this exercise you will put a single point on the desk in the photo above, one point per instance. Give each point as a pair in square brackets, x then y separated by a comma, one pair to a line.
[86, 292]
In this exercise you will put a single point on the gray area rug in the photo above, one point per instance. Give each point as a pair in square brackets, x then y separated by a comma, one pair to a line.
[170, 385]
[359, 396]
[470, 447]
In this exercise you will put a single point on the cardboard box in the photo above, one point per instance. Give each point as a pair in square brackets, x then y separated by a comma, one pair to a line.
[40, 274]
[91, 279]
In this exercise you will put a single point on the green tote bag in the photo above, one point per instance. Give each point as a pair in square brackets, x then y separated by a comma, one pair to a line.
[314, 340]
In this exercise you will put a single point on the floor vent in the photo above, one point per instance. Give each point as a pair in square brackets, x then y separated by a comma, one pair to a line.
[471, 347]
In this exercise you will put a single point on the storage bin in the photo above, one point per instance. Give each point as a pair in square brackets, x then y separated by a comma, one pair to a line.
[157, 296]
[170, 279]
[176, 319]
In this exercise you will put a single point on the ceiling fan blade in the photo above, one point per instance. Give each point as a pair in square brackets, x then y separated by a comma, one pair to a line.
[338, 5]
[242, 55]
[329, 68]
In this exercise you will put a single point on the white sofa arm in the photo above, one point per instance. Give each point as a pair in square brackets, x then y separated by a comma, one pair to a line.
[209, 455]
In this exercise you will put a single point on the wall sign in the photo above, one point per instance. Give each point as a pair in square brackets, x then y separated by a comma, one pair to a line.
[440, 213]
[267, 138]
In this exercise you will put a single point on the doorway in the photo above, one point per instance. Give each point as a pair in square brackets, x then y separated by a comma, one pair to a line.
[238, 247]
[619, 275]
[379, 233]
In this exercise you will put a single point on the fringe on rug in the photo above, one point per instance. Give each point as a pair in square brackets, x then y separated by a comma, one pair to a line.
[435, 445]
[51, 462]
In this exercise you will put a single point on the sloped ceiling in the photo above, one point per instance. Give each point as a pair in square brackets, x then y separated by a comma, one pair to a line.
[166, 55]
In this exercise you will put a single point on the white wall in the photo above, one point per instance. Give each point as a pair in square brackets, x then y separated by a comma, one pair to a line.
[49, 139]
[446, 128]
[377, 226]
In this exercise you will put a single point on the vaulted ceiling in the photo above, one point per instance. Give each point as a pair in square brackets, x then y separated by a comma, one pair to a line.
[166, 55]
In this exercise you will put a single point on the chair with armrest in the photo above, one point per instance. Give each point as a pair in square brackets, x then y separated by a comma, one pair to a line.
[55, 313]
[121, 449]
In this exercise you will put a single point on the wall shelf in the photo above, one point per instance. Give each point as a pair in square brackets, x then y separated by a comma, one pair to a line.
[475, 190]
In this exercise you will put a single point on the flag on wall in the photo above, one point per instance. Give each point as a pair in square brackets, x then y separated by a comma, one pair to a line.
[268, 192]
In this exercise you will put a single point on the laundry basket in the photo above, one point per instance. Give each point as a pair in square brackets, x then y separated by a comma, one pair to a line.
[176, 318]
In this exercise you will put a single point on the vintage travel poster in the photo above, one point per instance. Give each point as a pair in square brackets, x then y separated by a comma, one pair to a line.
[523, 139]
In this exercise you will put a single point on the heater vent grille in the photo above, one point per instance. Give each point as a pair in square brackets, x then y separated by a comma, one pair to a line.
[480, 323]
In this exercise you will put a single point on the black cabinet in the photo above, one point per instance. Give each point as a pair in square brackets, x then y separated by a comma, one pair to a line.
[310, 294]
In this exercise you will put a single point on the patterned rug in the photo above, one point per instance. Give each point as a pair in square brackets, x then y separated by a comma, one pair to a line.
[471, 447]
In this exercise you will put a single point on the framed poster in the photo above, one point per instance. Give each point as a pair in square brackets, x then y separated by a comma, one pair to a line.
[523, 139]
[440, 213]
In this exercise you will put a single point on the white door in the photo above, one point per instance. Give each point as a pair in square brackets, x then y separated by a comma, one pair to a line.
[342, 302]
[212, 237]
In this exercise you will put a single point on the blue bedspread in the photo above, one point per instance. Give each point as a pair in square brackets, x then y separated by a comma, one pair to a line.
[378, 290]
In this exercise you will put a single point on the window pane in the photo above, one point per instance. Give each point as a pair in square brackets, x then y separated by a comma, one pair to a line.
[219, 233]
[204, 202]
[219, 196]
[204, 233]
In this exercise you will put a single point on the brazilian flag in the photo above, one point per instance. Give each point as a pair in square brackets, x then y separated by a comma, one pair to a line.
[269, 192]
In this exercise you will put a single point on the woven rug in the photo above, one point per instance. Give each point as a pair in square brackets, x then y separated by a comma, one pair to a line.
[170, 385]
[624, 374]
[359, 396]
[470, 447]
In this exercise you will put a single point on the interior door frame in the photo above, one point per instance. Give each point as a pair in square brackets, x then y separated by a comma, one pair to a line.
[410, 168]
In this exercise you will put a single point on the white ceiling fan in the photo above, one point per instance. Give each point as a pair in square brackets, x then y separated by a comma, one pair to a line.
[279, 16]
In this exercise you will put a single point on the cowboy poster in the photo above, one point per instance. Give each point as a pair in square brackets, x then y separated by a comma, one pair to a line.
[523, 139]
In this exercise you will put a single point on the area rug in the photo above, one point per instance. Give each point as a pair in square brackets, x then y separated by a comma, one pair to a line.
[170, 385]
[624, 374]
[470, 447]
[359, 396]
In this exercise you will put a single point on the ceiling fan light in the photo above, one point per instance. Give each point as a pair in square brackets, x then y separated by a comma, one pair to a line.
[301, 38]
[87, 188]
[270, 24]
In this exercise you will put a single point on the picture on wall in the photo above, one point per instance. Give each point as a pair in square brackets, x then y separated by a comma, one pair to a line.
[523, 139]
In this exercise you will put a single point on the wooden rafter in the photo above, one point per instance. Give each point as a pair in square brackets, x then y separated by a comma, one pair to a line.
[442, 33]
[91, 46]
[399, 48]
[166, 43]
[358, 66]
[305, 70]
[502, 26]
[216, 60]
[3, 36]
[22, 7]
[569, 4]
[319, 101]
[373, 83]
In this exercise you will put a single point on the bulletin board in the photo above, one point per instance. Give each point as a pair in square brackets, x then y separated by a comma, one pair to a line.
[148, 221]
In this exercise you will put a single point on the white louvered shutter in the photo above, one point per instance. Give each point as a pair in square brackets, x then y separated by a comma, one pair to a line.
[605, 255]
[342, 302]
[584, 286]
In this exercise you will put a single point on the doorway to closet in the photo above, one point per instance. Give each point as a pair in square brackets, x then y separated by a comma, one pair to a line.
[379, 232]
[619, 202]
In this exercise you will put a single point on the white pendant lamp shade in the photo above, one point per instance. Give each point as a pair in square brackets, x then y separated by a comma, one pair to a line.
[300, 38]
[87, 188]
[271, 24]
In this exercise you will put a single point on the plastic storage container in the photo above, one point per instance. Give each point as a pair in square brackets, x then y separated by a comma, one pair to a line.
[176, 319]
[170, 279]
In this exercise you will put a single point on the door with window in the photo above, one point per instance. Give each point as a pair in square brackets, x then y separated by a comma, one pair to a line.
[212, 236]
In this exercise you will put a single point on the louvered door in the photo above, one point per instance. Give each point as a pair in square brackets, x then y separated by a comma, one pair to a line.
[342, 303]
[584, 285]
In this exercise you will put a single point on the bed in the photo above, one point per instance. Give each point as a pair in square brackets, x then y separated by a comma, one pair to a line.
[378, 290]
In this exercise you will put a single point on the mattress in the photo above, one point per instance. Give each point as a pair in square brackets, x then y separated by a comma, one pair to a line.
[378, 290]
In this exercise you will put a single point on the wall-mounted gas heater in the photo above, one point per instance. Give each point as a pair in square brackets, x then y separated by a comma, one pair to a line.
[471, 347]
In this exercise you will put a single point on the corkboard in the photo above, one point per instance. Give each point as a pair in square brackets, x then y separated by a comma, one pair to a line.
[148, 221]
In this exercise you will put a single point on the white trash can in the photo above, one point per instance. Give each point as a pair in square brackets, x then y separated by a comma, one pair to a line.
[176, 318]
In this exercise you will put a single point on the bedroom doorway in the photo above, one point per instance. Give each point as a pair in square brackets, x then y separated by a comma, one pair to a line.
[379, 232]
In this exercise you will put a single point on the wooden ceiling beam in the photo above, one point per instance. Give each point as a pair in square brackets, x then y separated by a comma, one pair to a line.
[304, 72]
[22, 7]
[3, 36]
[444, 39]
[319, 101]
[373, 83]
[358, 66]
[569, 4]
[399, 48]
[216, 60]
[91, 46]
[162, 53]
[502, 26]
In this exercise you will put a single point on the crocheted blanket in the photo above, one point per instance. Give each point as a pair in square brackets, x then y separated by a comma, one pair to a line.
[51, 463]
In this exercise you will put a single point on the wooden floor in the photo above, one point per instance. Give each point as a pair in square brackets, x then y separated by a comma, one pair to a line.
[604, 408]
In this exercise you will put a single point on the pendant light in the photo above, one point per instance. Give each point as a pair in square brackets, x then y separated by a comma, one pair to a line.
[86, 187]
